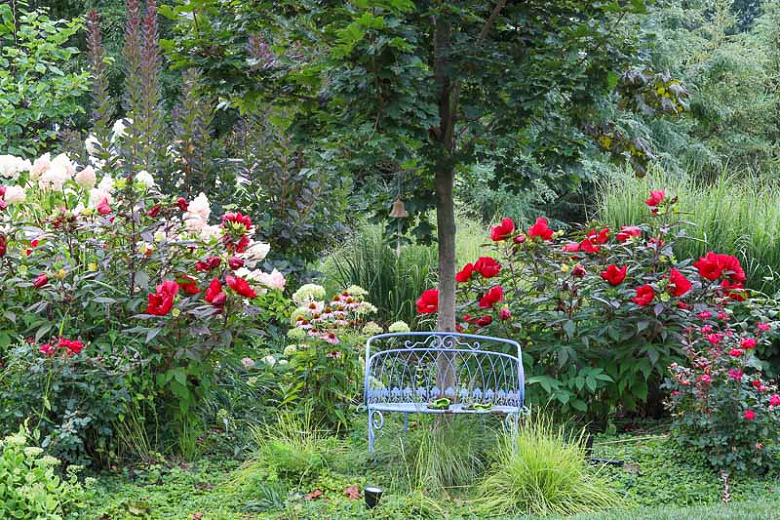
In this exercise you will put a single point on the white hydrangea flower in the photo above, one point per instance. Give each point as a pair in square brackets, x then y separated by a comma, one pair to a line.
[398, 326]
[255, 252]
[60, 170]
[86, 178]
[365, 308]
[92, 145]
[194, 223]
[272, 280]
[11, 166]
[145, 179]
[96, 196]
[372, 329]
[15, 194]
[208, 233]
[357, 291]
[40, 165]
[269, 360]
[308, 293]
[199, 206]
[106, 184]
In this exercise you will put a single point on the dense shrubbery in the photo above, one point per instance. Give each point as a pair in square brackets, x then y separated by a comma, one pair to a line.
[600, 313]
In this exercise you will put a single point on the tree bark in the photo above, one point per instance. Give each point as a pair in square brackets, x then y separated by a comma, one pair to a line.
[445, 219]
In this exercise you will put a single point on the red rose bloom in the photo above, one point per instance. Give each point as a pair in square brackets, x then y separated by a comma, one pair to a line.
[504, 314]
[750, 415]
[579, 271]
[241, 286]
[614, 274]
[214, 294]
[161, 302]
[748, 343]
[210, 263]
[713, 265]
[656, 197]
[40, 281]
[464, 275]
[540, 229]
[182, 203]
[493, 296]
[774, 400]
[503, 230]
[103, 208]
[484, 321]
[679, 285]
[487, 267]
[627, 232]
[644, 295]
[235, 262]
[428, 302]
[188, 284]
[735, 352]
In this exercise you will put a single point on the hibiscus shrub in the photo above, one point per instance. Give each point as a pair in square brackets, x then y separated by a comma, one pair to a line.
[600, 313]
[127, 272]
[720, 403]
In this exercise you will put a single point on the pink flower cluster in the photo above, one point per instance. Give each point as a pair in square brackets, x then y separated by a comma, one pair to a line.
[68, 347]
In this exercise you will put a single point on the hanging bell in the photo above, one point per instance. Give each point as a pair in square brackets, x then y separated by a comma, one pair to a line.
[399, 211]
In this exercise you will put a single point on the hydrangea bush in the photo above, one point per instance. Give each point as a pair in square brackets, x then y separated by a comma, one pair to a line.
[600, 313]
[99, 264]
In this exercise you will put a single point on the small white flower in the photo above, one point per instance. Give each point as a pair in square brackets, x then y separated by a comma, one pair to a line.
[208, 233]
[86, 178]
[159, 236]
[145, 179]
[33, 451]
[255, 252]
[283, 361]
[15, 194]
[248, 363]
[106, 184]
[194, 223]
[269, 360]
[398, 326]
[307, 293]
[119, 128]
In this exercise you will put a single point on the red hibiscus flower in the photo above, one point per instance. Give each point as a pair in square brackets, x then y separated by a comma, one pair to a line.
[749, 415]
[103, 208]
[484, 321]
[182, 203]
[599, 237]
[627, 232]
[464, 275]
[241, 286]
[237, 220]
[503, 230]
[589, 246]
[540, 229]
[614, 274]
[487, 267]
[713, 265]
[571, 247]
[235, 262]
[735, 291]
[428, 302]
[161, 302]
[40, 281]
[210, 263]
[188, 284]
[155, 210]
[644, 295]
[656, 197]
[679, 285]
[493, 296]
[214, 294]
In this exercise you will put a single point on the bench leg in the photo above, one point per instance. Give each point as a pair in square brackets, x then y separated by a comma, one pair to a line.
[406, 423]
[370, 433]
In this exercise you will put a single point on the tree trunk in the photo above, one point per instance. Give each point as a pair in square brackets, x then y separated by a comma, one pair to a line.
[445, 218]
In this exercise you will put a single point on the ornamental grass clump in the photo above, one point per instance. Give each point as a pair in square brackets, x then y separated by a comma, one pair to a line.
[546, 473]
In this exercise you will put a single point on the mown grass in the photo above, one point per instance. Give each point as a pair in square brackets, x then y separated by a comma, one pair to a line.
[735, 216]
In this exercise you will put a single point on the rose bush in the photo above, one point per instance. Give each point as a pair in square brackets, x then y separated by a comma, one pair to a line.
[720, 402]
[600, 313]
[102, 258]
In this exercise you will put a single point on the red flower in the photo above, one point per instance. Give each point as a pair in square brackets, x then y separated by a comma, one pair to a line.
[237, 219]
[241, 286]
[684, 306]
[214, 294]
[487, 267]
[599, 237]
[155, 210]
[704, 315]
[235, 262]
[571, 247]
[656, 197]
[579, 271]
[679, 285]
[589, 246]
[735, 291]
[504, 314]
[750, 415]
[774, 400]
[40, 281]
[484, 321]
[161, 302]
[519, 239]
[748, 343]
[503, 230]
[188, 284]
[735, 352]
[73, 346]
[182, 203]
[540, 229]
[493, 296]
[428, 302]
[47, 350]
[644, 295]
[3, 245]
[614, 274]
[103, 208]
[627, 232]
[464, 275]
[210, 263]
[713, 265]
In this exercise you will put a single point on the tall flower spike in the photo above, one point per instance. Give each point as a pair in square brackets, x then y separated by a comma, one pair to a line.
[102, 107]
